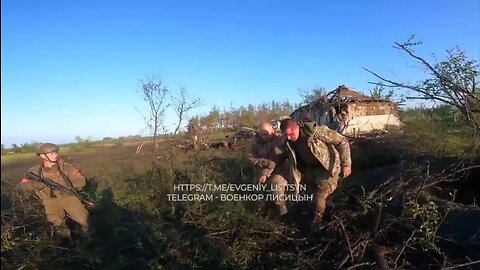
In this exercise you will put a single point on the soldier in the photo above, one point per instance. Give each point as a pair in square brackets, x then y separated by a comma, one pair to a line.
[267, 151]
[55, 201]
[317, 154]
[341, 120]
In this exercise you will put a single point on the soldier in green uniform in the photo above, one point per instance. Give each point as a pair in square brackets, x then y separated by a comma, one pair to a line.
[266, 154]
[58, 204]
[317, 155]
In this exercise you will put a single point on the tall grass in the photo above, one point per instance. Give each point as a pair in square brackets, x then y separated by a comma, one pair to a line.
[439, 131]
[138, 227]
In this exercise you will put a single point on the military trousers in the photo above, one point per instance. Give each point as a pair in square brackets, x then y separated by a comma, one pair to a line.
[321, 184]
[277, 185]
[56, 210]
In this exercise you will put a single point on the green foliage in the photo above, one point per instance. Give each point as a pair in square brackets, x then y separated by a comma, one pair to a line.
[26, 241]
[452, 81]
[311, 95]
[178, 229]
[82, 144]
[428, 218]
[139, 227]
[457, 70]
[9, 240]
[370, 199]
[439, 131]
[237, 117]
[23, 148]
[118, 143]
[378, 92]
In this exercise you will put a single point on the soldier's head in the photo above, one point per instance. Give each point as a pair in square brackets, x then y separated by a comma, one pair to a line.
[48, 152]
[266, 131]
[290, 129]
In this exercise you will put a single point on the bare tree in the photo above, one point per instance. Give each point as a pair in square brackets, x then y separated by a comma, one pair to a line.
[154, 93]
[194, 131]
[183, 104]
[452, 81]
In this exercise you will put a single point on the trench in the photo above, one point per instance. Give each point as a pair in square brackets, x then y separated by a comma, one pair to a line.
[468, 188]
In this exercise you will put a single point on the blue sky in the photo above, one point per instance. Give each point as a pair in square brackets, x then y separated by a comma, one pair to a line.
[72, 68]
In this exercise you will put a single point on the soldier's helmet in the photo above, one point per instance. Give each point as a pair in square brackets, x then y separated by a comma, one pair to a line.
[46, 148]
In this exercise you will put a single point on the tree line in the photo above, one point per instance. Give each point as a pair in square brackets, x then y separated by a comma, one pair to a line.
[242, 116]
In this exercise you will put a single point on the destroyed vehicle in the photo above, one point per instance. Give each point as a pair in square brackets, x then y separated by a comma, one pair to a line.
[245, 133]
[351, 113]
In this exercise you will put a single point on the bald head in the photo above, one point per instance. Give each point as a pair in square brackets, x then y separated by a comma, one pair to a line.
[266, 127]
[266, 131]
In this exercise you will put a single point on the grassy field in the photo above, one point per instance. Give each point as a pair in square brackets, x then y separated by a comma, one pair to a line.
[372, 215]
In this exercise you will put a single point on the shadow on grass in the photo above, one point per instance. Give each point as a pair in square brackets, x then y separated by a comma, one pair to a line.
[119, 236]
[134, 239]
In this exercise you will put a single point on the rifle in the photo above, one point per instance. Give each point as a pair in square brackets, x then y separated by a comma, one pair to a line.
[54, 185]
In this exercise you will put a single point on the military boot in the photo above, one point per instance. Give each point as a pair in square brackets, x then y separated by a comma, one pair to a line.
[317, 219]
[63, 232]
[88, 234]
[316, 223]
[282, 210]
[85, 230]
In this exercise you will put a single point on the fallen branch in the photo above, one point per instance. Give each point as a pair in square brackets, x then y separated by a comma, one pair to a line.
[403, 248]
[377, 223]
[423, 182]
[346, 237]
[445, 216]
[217, 233]
[343, 262]
[461, 265]
[360, 265]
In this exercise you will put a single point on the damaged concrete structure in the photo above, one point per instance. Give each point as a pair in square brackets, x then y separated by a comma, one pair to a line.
[351, 113]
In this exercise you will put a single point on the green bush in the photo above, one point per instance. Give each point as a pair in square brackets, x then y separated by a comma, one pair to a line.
[440, 131]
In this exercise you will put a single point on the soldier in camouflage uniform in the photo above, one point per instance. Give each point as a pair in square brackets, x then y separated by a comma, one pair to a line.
[55, 201]
[267, 150]
[317, 155]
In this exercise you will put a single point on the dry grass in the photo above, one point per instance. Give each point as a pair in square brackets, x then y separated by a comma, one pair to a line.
[385, 222]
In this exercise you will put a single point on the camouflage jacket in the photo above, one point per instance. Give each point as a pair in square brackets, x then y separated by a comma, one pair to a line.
[272, 152]
[74, 180]
[330, 148]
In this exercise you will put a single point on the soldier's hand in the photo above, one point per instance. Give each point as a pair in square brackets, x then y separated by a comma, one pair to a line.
[29, 185]
[268, 164]
[255, 161]
[262, 162]
[262, 178]
[346, 171]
